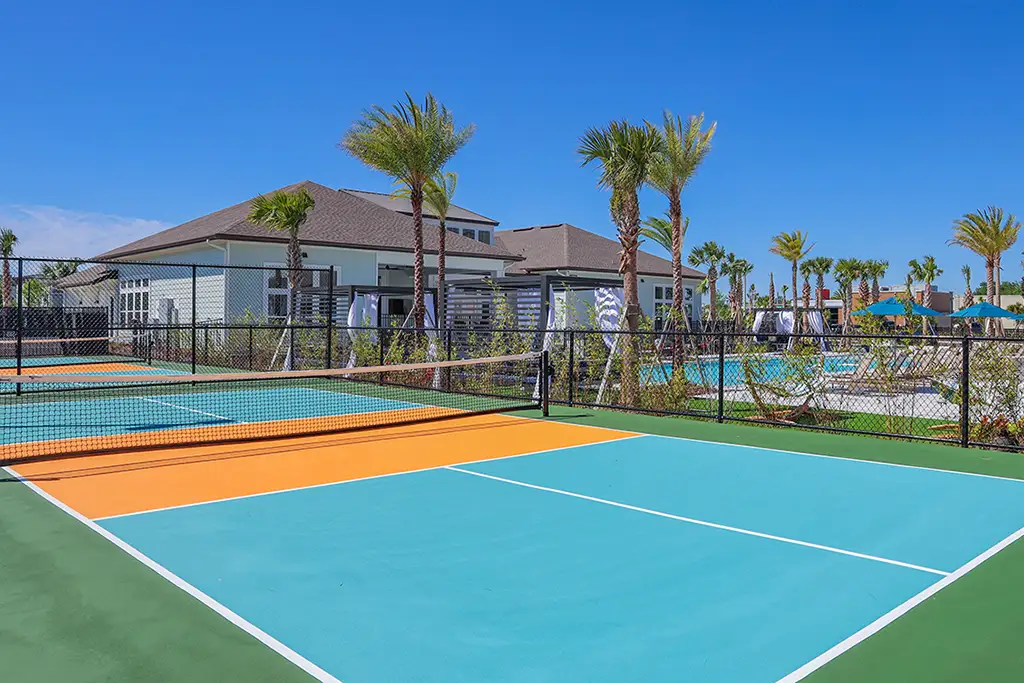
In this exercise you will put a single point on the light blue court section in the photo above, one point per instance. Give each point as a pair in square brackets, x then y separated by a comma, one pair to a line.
[444, 577]
[10, 388]
[63, 419]
[937, 519]
[65, 360]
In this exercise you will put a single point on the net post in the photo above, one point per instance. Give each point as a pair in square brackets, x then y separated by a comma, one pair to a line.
[250, 347]
[380, 348]
[571, 390]
[330, 318]
[20, 326]
[965, 393]
[195, 277]
[545, 379]
[721, 377]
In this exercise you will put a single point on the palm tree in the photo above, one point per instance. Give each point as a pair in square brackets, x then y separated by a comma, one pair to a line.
[709, 254]
[54, 271]
[684, 150]
[438, 195]
[926, 271]
[752, 298]
[968, 294]
[737, 270]
[819, 266]
[793, 247]
[411, 144]
[626, 154]
[286, 212]
[771, 290]
[864, 288]
[806, 271]
[846, 272]
[660, 230]
[785, 295]
[7, 241]
[875, 270]
[988, 234]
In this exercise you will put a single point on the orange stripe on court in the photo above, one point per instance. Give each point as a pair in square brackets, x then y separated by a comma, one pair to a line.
[76, 369]
[105, 485]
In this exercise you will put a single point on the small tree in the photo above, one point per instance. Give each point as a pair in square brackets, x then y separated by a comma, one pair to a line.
[7, 242]
[286, 212]
[709, 254]
[793, 247]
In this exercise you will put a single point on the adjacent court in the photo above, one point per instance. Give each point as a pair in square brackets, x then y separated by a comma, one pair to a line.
[496, 547]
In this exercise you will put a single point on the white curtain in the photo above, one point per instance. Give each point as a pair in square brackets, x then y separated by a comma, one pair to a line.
[784, 321]
[817, 323]
[361, 308]
[758, 319]
[549, 335]
[608, 302]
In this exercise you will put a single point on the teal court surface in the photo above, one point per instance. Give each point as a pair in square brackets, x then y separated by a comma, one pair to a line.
[622, 558]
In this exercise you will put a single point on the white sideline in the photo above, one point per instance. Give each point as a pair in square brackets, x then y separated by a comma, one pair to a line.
[700, 522]
[891, 616]
[191, 410]
[253, 630]
[771, 450]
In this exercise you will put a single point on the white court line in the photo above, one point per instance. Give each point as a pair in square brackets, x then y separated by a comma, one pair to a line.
[886, 619]
[700, 522]
[191, 410]
[253, 630]
[773, 450]
[367, 478]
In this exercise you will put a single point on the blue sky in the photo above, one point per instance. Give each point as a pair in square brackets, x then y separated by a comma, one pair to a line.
[871, 125]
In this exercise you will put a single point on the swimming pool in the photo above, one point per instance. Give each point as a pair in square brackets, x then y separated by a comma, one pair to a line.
[705, 371]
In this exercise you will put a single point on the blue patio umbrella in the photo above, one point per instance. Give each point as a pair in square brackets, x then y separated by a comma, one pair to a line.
[894, 306]
[983, 310]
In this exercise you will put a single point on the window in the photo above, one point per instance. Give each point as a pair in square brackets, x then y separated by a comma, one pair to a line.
[474, 234]
[133, 302]
[662, 306]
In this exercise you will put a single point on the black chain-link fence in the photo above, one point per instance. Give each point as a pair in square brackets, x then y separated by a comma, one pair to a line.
[212, 318]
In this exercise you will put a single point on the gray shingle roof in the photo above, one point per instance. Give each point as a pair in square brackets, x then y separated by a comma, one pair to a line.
[88, 276]
[566, 247]
[402, 205]
[339, 219]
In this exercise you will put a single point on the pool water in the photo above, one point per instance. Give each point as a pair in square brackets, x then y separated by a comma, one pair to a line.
[776, 367]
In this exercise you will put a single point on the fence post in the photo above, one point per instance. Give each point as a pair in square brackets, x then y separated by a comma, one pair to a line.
[965, 393]
[545, 379]
[571, 391]
[721, 377]
[195, 307]
[330, 317]
[250, 347]
[20, 324]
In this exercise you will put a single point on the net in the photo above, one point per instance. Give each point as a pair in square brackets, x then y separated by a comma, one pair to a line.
[62, 415]
[61, 351]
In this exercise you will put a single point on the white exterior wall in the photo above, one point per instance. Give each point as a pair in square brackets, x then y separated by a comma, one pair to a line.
[645, 292]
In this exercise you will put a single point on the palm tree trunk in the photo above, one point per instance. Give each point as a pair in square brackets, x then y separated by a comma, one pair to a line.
[442, 312]
[713, 292]
[8, 285]
[875, 291]
[818, 294]
[796, 307]
[418, 307]
[675, 211]
[294, 258]
[990, 290]
[629, 238]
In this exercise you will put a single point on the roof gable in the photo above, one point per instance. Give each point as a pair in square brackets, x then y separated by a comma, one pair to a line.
[565, 247]
[339, 219]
